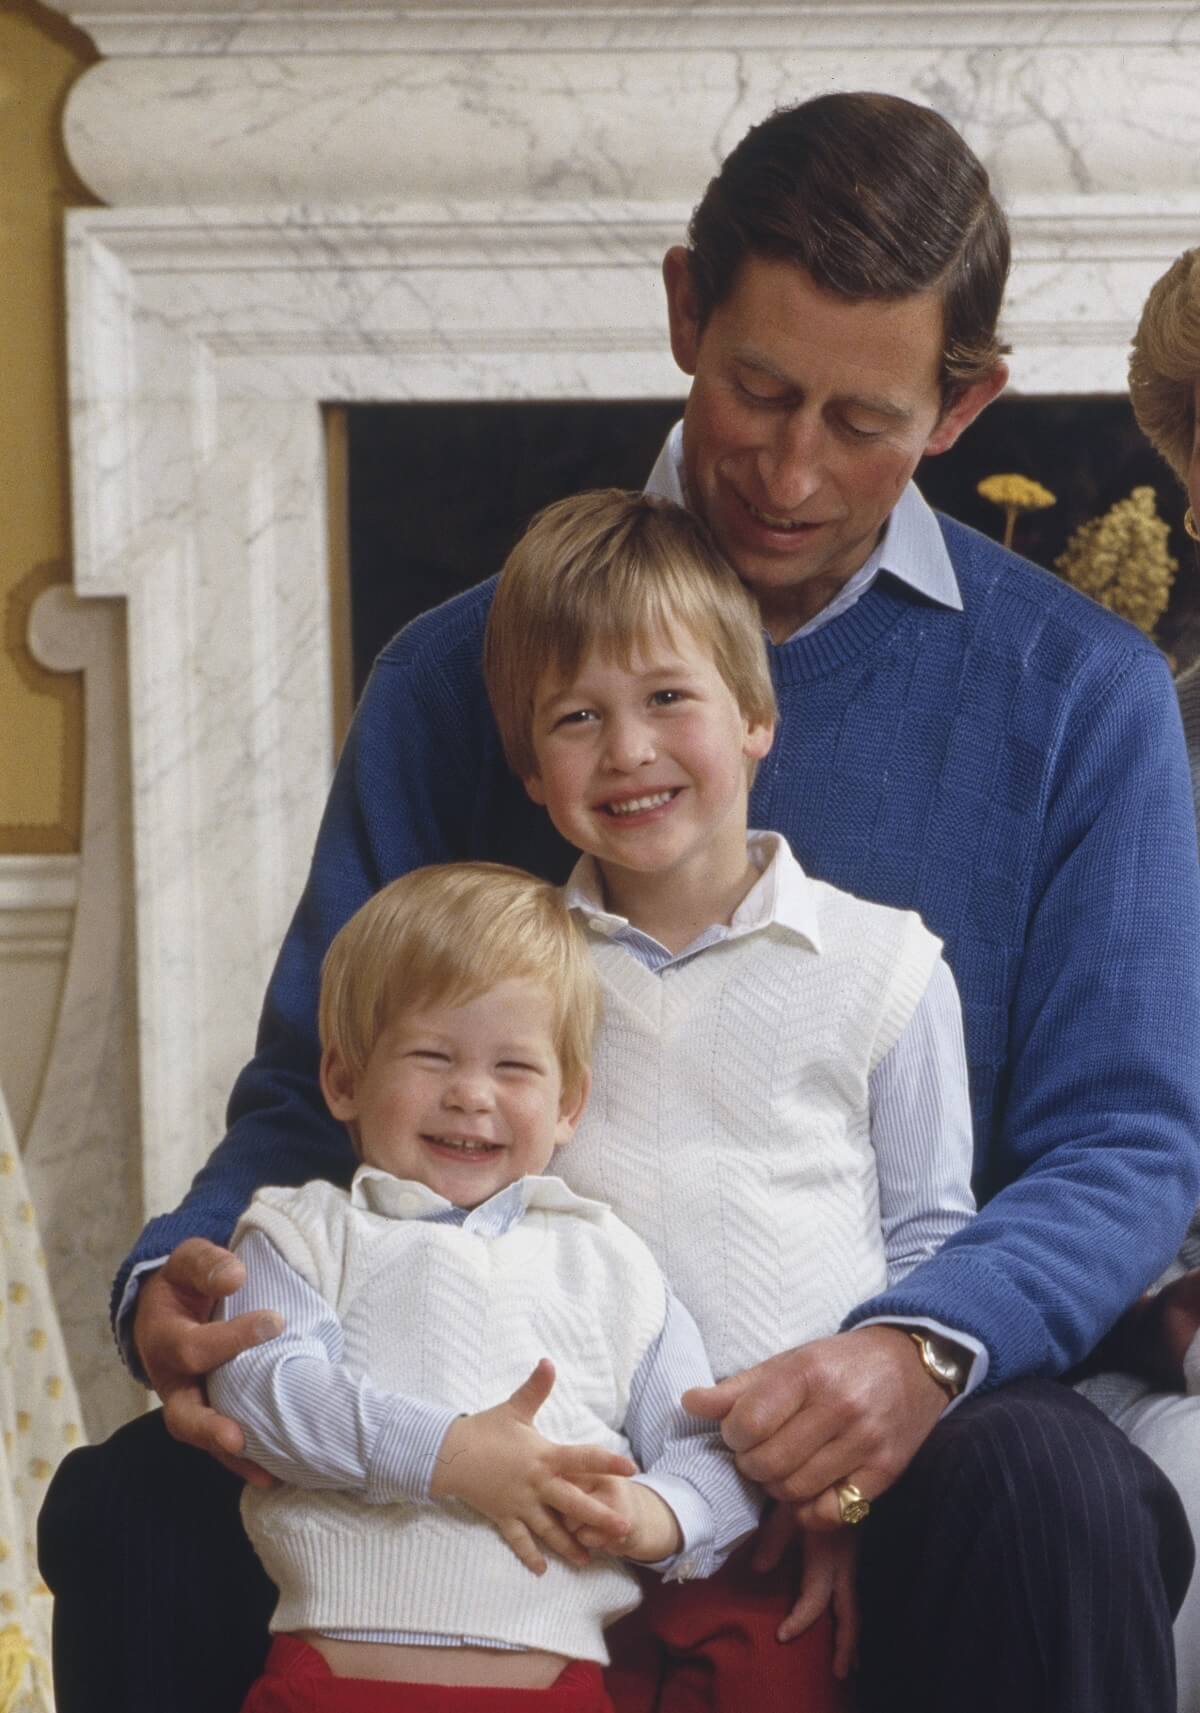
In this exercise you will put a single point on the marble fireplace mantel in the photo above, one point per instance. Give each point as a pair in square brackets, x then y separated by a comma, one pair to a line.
[312, 204]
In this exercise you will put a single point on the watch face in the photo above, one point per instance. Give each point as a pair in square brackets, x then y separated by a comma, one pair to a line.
[945, 1367]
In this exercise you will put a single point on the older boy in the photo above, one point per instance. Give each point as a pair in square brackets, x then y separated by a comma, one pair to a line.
[457, 1013]
[764, 1113]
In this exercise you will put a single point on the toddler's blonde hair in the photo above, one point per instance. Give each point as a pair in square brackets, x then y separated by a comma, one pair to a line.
[446, 934]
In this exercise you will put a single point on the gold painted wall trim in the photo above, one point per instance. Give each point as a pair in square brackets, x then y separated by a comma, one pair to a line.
[41, 712]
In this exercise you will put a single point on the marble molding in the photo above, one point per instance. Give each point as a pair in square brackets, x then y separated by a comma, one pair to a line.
[314, 205]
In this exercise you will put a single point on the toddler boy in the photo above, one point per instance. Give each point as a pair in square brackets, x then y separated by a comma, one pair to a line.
[457, 1013]
[779, 1102]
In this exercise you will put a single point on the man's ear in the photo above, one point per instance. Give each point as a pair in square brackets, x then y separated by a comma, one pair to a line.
[338, 1087]
[966, 407]
[571, 1111]
[683, 308]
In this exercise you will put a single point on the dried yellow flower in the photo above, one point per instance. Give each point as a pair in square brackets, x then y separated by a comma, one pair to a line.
[1022, 493]
[1121, 560]
[1014, 495]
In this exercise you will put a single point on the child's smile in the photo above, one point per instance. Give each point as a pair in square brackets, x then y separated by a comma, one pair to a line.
[463, 1098]
[645, 765]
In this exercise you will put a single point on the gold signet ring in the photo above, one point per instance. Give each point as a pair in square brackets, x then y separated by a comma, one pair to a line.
[852, 1507]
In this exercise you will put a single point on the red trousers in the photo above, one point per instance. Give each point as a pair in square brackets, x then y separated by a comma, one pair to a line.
[709, 1647]
[296, 1679]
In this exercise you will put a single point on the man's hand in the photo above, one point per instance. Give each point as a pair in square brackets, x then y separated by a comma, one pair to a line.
[854, 1407]
[498, 1463]
[1152, 1338]
[828, 1580]
[651, 1526]
[178, 1345]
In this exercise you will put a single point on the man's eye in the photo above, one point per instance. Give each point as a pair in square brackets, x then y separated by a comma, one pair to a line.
[752, 396]
[857, 433]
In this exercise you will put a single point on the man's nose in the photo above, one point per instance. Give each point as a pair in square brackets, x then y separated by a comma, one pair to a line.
[790, 465]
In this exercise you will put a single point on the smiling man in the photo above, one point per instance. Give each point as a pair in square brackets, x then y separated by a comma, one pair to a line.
[959, 733]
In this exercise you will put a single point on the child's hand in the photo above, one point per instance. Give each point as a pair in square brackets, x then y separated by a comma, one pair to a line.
[498, 1463]
[830, 1561]
[652, 1531]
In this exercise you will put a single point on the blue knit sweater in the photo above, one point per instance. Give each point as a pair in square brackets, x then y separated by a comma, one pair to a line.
[1015, 772]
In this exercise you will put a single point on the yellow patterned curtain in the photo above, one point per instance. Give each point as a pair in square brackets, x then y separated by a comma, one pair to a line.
[39, 1415]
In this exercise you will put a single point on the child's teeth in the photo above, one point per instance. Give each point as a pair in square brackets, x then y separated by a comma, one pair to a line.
[636, 804]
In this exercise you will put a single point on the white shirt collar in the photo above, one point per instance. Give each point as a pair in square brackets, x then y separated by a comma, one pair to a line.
[912, 547]
[781, 897]
[378, 1191]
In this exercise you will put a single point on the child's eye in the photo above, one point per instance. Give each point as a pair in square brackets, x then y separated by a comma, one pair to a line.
[428, 1055]
[667, 698]
[520, 1065]
[576, 717]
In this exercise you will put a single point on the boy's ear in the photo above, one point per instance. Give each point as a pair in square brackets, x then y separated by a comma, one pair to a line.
[533, 789]
[758, 740]
[338, 1086]
[571, 1111]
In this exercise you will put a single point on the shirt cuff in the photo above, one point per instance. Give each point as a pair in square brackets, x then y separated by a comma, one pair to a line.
[124, 1321]
[694, 1515]
[405, 1451]
[976, 1373]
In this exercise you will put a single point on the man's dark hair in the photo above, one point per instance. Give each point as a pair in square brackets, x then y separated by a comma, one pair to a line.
[874, 197]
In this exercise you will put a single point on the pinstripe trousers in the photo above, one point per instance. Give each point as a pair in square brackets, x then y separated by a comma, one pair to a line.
[1030, 1561]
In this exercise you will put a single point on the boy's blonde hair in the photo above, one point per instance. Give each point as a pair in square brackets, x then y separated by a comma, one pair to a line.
[443, 935]
[609, 570]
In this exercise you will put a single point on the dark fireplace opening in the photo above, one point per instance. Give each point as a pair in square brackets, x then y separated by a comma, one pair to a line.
[438, 493]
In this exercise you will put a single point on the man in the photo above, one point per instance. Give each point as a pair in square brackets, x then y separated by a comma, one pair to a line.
[959, 733]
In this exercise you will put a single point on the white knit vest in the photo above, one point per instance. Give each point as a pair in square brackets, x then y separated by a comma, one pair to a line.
[728, 1122]
[460, 1320]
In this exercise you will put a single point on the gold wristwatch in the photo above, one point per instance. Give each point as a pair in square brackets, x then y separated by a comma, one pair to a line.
[944, 1362]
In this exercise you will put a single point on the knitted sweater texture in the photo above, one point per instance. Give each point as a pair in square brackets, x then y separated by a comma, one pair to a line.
[458, 1320]
[729, 1121]
[1015, 772]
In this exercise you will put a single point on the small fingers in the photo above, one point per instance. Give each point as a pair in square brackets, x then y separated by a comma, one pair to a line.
[518, 1537]
[555, 1538]
[532, 1393]
[572, 1461]
[583, 1510]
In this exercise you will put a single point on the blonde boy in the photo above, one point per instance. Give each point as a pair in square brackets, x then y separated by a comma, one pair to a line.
[457, 1012]
[753, 1113]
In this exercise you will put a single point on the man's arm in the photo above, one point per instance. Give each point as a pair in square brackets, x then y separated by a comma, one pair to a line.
[1094, 1163]
[1093, 1169]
